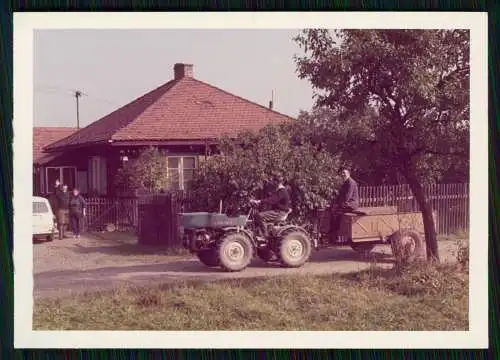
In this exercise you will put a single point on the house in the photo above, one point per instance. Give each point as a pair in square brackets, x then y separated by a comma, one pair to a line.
[183, 117]
[44, 171]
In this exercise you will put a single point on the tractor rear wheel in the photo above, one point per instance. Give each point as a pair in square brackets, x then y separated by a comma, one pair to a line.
[407, 246]
[294, 248]
[208, 257]
[234, 251]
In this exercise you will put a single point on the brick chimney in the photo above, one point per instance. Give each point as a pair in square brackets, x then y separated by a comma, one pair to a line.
[183, 70]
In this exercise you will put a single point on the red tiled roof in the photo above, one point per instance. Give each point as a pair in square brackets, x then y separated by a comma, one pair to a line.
[43, 136]
[184, 109]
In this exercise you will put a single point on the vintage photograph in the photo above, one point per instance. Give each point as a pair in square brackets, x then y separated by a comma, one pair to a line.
[251, 179]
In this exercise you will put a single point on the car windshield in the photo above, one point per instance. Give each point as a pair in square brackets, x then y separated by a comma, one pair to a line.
[40, 207]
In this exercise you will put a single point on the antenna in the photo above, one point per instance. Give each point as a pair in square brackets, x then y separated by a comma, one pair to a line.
[272, 100]
[78, 93]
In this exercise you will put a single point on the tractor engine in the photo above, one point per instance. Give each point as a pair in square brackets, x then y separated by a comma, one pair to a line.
[195, 240]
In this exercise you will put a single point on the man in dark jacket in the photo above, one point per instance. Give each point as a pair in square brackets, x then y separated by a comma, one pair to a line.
[347, 200]
[54, 197]
[62, 210]
[77, 211]
[279, 204]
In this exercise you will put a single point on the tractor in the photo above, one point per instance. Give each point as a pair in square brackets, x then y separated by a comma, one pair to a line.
[230, 242]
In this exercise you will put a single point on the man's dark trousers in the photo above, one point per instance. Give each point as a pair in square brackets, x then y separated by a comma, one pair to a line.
[264, 217]
[337, 212]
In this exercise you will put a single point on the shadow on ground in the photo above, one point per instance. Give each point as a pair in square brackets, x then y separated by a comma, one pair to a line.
[115, 245]
[192, 265]
[121, 244]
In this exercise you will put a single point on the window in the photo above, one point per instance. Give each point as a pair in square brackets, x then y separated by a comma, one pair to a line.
[174, 173]
[98, 175]
[65, 174]
[40, 207]
[188, 168]
[69, 177]
[180, 172]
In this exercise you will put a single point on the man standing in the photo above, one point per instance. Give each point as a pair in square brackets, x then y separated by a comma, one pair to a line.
[347, 200]
[54, 199]
[279, 204]
[57, 186]
[76, 212]
[62, 210]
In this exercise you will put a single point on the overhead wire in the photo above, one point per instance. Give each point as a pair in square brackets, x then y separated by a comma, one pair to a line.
[70, 92]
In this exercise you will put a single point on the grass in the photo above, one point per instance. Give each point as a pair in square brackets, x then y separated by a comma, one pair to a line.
[457, 236]
[428, 297]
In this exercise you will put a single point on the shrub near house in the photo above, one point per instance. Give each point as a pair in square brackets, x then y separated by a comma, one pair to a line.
[248, 161]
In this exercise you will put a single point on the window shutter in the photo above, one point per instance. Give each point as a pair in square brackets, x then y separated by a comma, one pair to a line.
[103, 171]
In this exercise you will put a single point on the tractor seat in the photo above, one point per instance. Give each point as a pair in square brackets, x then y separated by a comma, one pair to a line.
[284, 217]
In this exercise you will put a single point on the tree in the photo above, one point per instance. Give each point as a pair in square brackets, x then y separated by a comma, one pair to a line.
[327, 129]
[248, 162]
[148, 172]
[414, 84]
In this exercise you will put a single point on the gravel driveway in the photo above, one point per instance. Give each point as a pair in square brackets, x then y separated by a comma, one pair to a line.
[69, 266]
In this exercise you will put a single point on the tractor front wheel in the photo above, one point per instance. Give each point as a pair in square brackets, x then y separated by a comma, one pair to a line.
[234, 251]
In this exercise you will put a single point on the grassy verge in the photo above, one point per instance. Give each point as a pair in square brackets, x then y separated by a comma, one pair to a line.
[419, 298]
[458, 236]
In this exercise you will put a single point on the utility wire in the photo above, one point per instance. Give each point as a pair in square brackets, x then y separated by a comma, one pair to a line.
[54, 90]
[71, 93]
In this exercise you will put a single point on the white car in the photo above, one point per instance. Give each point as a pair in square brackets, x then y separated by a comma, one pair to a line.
[43, 219]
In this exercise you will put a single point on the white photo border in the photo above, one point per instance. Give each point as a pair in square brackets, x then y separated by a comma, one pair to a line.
[24, 26]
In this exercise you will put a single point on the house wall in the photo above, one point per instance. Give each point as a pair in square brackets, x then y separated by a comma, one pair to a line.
[74, 163]
[96, 167]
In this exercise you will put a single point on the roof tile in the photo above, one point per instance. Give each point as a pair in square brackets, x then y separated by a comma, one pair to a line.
[43, 136]
[185, 109]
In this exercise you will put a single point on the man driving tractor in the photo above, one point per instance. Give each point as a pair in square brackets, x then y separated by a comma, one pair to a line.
[280, 206]
[346, 201]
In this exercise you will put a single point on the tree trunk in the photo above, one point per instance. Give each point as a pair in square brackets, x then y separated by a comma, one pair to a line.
[428, 219]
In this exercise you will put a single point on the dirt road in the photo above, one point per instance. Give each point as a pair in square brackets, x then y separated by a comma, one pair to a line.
[68, 266]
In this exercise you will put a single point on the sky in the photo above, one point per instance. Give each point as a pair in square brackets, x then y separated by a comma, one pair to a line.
[113, 67]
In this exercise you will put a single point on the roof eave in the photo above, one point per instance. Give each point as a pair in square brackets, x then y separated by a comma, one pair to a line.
[165, 142]
[59, 148]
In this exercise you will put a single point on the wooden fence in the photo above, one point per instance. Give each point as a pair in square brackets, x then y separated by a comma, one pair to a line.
[122, 213]
[450, 201]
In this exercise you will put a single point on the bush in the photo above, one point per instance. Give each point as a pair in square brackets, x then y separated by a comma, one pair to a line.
[247, 164]
[148, 172]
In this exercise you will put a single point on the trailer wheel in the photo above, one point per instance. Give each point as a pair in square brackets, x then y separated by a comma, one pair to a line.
[363, 249]
[208, 257]
[234, 251]
[407, 246]
[294, 248]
